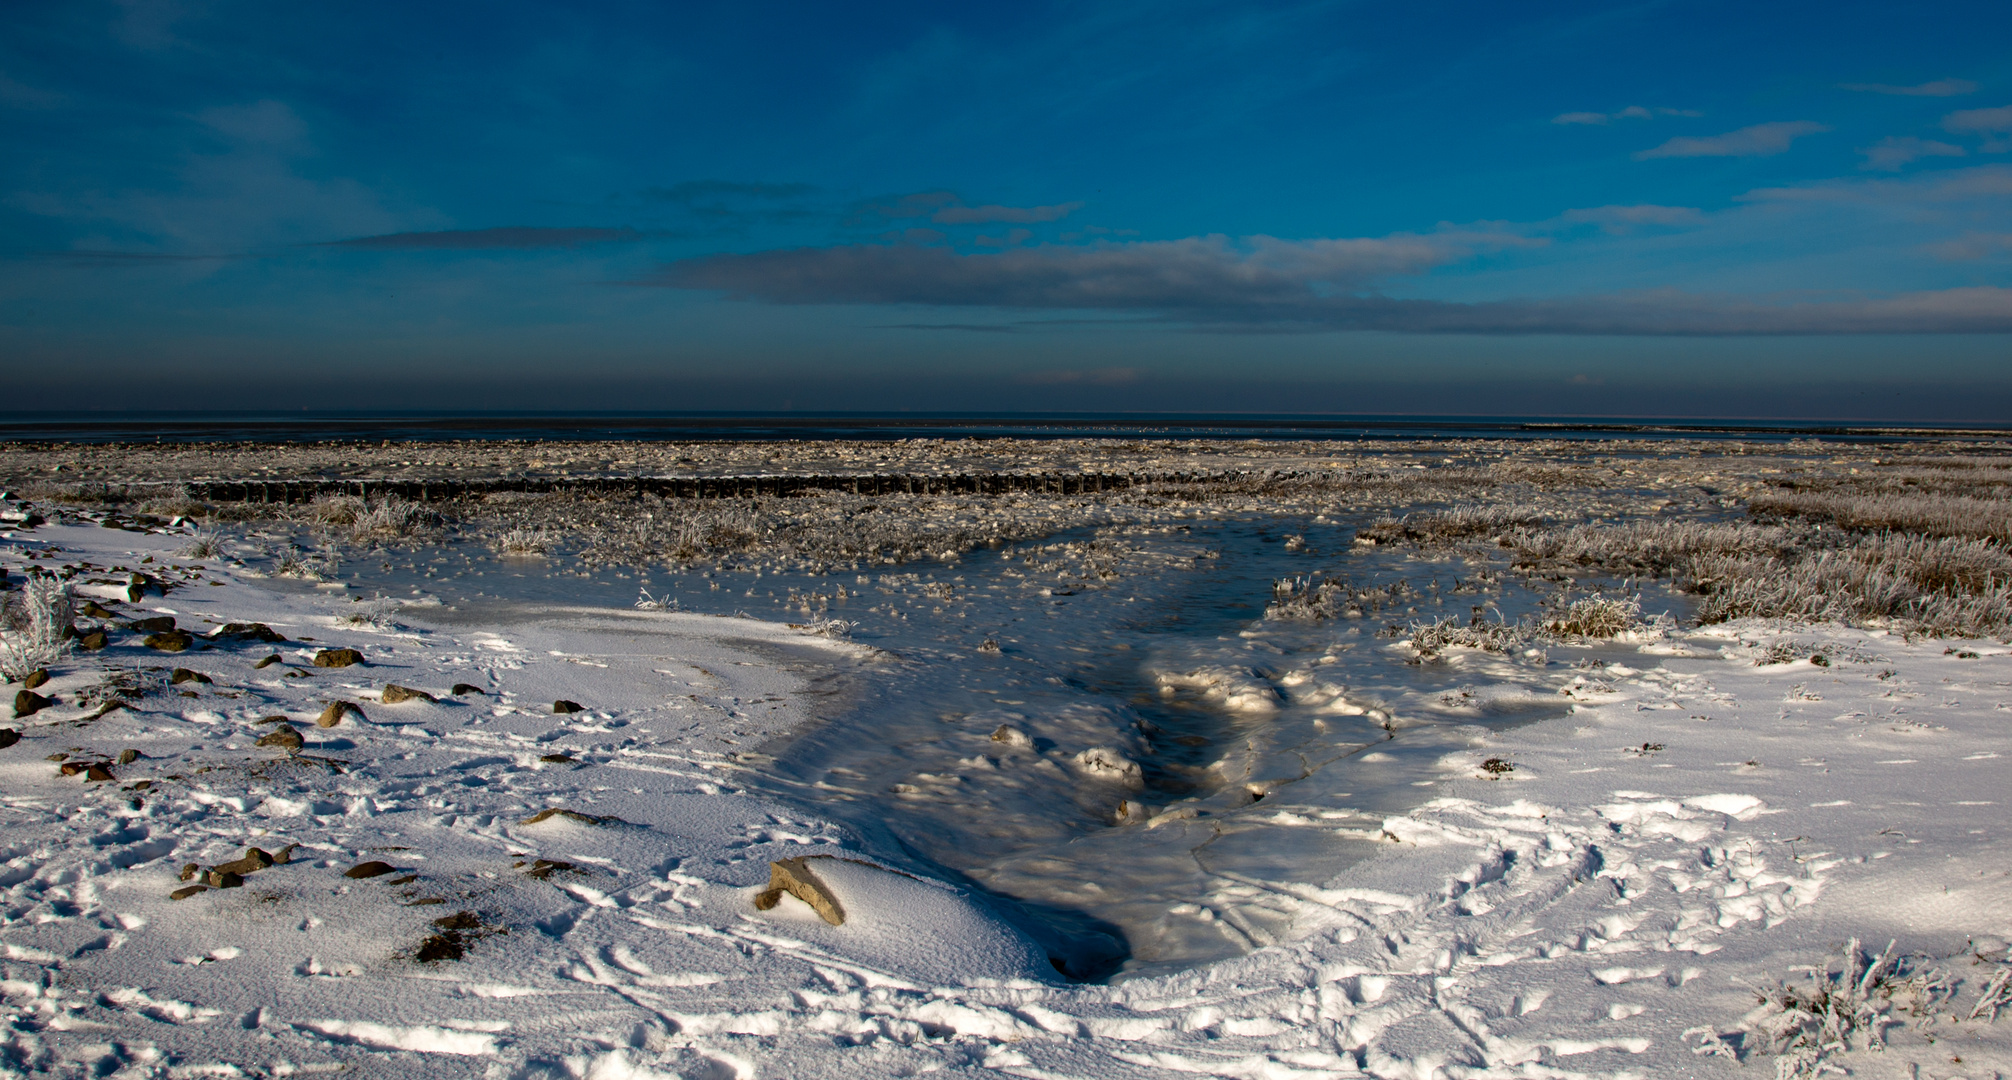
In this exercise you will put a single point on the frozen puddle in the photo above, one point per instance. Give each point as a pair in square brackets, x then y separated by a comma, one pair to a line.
[1104, 728]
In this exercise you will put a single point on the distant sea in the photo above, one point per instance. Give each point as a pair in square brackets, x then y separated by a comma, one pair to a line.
[720, 426]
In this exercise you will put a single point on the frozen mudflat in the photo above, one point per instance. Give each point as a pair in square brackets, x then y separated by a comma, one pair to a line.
[1594, 861]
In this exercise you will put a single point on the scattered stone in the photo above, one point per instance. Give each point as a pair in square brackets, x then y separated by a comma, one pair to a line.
[255, 859]
[570, 815]
[794, 876]
[190, 871]
[275, 719]
[563, 706]
[285, 737]
[468, 688]
[95, 610]
[169, 641]
[406, 880]
[370, 869]
[460, 920]
[8, 737]
[394, 693]
[128, 756]
[337, 658]
[543, 869]
[989, 647]
[187, 891]
[439, 947]
[141, 785]
[181, 675]
[248, 631]
[223, 879]
[267, 662]
[284, 855]
[160, 624]
[98, 774]
[93, 641]
[36, 678]
[557, 759]
[28, 703]
[425, 901]
[1013, 737]
[332, 715]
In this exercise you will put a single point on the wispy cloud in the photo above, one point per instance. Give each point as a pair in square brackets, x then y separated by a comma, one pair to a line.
[521, 237]
[1938, 88]
[691, 191]
[1632, 112]
[1760, 140]
[1972, 247]
[1893, 153]
[1616, 220]
[1263, 284]
[1992, 124]
[947, 208]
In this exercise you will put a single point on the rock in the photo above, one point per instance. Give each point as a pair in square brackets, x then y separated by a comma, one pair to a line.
[556, 759]
[543, 869]
[8, 737]
[1131, 812]
[460, 920]
[187, 891]
[570, 815]
[248, 631]
[93, 641]
[98, 774]
[36, 678]
[255, 859]
[28, 703]
[169, 641]
[267, 662]
[274, 719]
[191, 870]
[562, 706]
[181, 675]
[128, 756]
[332, 715]
[439, 947]
[1012, 736]
[1105, 763]
[794, 876]
[284, 855]
[337, 658]
[223, 879]
[370, 869]
[160, 624]
[394, 693]
[72, 768]
[284, 737]
[95, 610]
[468, 688]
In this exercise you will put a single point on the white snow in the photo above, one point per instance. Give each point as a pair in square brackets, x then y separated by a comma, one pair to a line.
[1693, 828]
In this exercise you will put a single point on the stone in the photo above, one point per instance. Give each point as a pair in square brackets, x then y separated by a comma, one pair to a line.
[36, 678]
[223, 879]
[794, 876]
[371, 869]
[284, 737]
[98, 774]
[254, 860]
[337, 658]
[8, 737]
[95, 610]
[128, 756]
[468, 688]
[28, 703]
[248, 631]
[159, 624]
[571, 815]
[542, 869]
[267, 662]
[439, 947]
[190, 871]
[169, 641]
[332, 715]
[187, 891]
[93, 641]
[394, 693]
[1013, 737]
[274, 719]
[460, 920]
[562, 706]
[556, 759]
[181, 675]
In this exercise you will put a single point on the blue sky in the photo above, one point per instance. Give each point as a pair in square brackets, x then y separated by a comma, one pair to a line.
[1649, 209]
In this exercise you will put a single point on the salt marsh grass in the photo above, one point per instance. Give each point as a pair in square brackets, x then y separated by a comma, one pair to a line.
[37, 620]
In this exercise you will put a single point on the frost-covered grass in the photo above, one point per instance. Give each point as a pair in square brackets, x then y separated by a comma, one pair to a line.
[1938, 515]
[1439, 527]
[1596, 617]
[37, 620]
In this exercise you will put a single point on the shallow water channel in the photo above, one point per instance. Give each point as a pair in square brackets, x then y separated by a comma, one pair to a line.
[1103, 727]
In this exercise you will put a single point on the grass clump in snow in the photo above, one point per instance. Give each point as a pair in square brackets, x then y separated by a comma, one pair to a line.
[37, 621]
[1440, 527]
[1596, 616]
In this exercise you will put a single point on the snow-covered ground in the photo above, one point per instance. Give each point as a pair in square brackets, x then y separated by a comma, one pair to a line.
[1606, 894]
